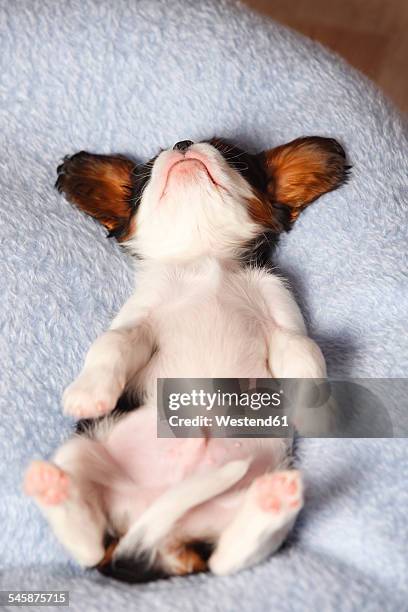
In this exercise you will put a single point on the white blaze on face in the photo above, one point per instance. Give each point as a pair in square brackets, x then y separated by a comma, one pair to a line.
[194, 204]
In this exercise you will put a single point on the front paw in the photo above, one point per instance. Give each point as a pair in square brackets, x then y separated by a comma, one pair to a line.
[92, 394]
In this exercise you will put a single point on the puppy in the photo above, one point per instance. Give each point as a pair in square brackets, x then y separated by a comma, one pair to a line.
[199, 218]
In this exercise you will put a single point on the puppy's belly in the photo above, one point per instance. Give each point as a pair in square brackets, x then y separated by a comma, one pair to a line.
[151, 465]
[207, 520]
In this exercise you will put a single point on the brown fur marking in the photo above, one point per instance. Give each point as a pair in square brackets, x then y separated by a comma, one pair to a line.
[101, 186]
[261, 211]
[107, 558]
[303, 170]
[180, 559]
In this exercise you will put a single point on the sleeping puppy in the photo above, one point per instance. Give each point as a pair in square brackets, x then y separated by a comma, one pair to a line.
[198, 217]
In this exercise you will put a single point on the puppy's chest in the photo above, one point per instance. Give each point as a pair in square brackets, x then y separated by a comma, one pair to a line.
[209, 293]
[209, 323]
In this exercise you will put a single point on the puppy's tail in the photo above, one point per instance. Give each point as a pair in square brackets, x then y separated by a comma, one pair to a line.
[138, 558]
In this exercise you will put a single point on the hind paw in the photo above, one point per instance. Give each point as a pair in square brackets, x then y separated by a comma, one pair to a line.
[279, 492]
[46, 482]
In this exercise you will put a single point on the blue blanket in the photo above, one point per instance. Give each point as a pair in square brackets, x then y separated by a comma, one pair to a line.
[131, 76]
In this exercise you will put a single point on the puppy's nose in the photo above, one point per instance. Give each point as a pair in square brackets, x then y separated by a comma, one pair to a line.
[183, 145]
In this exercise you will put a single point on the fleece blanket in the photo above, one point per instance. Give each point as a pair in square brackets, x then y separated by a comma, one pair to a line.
[132, 76]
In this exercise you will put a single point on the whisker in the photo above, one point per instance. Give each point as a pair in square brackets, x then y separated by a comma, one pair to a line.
[235, 156]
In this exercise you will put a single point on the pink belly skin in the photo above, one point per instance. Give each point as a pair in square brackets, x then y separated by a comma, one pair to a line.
[150, 465]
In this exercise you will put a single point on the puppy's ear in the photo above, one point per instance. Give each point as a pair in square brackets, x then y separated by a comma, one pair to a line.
[302, 170]
[101, 186]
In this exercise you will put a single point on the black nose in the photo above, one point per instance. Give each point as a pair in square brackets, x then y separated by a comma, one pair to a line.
[182, 145]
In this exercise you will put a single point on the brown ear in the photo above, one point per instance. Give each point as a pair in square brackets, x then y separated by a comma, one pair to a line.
[101, 186]
[302, 170]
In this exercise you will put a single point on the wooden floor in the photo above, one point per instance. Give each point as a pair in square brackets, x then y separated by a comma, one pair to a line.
[371, 34]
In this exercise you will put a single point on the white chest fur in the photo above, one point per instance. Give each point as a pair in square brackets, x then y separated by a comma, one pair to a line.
[209, 320]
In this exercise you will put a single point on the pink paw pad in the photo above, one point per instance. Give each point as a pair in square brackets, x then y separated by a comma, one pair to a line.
[279, 491]
[47, 482]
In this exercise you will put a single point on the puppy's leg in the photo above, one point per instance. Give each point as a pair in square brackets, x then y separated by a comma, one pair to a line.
[108, 366]
[291, 354]
[114, 358]
[294, 355]
[70, 498]
[267, 514]
[309, 404]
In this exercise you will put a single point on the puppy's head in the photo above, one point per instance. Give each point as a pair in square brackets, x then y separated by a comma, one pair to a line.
[205, 198]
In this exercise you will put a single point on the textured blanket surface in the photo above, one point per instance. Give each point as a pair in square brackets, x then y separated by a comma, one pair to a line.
[131, 76]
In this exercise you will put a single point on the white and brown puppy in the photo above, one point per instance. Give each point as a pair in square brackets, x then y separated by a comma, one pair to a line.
[195, 216]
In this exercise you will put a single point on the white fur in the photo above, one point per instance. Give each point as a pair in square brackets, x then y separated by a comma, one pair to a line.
[196, 313]
[189, 216]
[160, 518]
